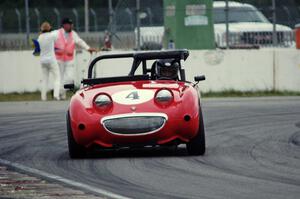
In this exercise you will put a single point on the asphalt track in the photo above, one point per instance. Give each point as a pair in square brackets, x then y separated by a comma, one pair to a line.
[253, 151]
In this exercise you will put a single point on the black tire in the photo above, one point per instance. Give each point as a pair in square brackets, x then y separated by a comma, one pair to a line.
[196, 146]
[75, 150]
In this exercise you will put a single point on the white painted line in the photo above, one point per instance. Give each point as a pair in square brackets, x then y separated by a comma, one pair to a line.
[72, 183]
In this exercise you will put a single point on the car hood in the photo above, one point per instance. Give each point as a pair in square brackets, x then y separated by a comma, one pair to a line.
[249, 27]
[112, 88]
[122, 93]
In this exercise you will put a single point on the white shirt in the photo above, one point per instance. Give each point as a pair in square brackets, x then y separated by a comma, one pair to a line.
[46, 42]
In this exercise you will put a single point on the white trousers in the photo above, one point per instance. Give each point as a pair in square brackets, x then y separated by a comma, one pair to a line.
[47, 69]
[67, 72]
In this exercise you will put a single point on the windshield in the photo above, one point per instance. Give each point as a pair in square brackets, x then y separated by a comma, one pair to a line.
[239, 14]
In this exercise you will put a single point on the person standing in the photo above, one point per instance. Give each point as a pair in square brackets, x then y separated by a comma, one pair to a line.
[65, 50]
[107, 41]
[48, 60]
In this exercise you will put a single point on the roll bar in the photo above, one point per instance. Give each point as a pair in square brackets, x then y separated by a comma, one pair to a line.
[140, 57]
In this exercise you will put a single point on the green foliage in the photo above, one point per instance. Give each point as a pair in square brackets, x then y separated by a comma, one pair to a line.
[28, 96]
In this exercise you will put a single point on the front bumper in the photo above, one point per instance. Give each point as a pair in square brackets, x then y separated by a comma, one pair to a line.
[159, 130]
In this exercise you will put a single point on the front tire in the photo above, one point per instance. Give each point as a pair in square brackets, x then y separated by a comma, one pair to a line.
[196, 146]
[75, 150]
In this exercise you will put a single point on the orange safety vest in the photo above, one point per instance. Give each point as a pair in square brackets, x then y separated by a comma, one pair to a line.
[64, 48]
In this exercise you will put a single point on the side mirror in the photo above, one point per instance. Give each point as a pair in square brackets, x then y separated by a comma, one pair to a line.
[69, 86]
[199, 78]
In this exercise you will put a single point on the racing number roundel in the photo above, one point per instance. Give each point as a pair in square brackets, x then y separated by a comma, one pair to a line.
[130, 97]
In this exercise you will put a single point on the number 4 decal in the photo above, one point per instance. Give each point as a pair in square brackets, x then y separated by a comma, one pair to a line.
[133, 95]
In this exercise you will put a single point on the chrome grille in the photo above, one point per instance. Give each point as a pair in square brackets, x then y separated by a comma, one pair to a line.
[262, 38]
[135, 124]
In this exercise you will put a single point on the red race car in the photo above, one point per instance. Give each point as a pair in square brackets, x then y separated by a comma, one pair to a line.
[158, 107]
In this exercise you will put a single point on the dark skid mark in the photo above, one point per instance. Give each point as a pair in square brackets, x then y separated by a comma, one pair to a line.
[295, 139]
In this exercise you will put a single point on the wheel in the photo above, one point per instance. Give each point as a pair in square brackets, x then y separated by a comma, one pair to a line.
[75, 150]
[196, 146]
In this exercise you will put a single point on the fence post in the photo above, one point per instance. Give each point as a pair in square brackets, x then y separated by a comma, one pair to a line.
[111, 15]
[274, 35]
[150, 15]
[227, 23]
[286, 10]
[27, 19]
[86, 15]
[76, 19]
[57, 13]
[1, 15]
[19, 19]
[38, 19]
[128, 11]
[95, 19]
[138, 24]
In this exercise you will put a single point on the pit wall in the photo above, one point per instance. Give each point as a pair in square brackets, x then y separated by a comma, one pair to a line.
[241, 70]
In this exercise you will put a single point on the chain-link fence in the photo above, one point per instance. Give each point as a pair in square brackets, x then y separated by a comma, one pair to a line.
[121, 23]
[248, 26]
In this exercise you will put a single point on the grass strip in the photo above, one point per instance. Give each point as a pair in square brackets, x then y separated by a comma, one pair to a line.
[234, 93]
[28, 96]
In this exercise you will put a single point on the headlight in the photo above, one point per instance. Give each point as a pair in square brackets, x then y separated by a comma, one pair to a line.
[164, 96]
[103, 100]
